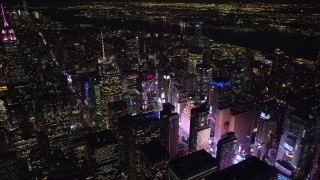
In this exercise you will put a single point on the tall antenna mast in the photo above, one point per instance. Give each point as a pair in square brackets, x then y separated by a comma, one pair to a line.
[5, 23]
[104, 59]
[25, 6]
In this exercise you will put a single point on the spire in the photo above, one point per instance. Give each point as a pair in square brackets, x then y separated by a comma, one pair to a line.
[5, 23]
[25, 7]
[104, 59]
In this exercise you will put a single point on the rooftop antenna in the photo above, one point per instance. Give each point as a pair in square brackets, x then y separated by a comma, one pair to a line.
[25, 7]
[5, 23]
[104, 59]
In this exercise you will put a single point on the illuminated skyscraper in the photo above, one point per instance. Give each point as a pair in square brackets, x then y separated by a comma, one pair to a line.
[179, 98]
[199, 129]
[4, 117]
[296, 148]
[194, 59]
[266, 128]
[226, 150]
[147, 90]
[129, 91]
[165, 88]
[61, 117]
[203, 80]
[186, 115]
[17, 73]
[110, 85]
[220, 97]
[243, 74]
[136, 131]
[133, 52]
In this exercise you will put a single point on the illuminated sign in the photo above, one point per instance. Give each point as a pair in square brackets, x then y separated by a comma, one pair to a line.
[137, 75]
[3, 88]
[221, 83]
[288, 147]
[265, 115]
[152, 116]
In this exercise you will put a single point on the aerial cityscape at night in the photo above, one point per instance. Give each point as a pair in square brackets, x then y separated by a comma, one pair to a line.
[159, 90]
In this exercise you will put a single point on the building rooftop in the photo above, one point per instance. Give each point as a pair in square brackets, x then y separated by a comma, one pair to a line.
[193, 164]
[117, 105]
[251, 168]
[168, 107]
[154, 151]
[10, 155]
[100, 139]
[200, 109]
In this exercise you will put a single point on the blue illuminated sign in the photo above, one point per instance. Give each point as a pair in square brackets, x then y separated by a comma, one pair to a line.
[221, 83]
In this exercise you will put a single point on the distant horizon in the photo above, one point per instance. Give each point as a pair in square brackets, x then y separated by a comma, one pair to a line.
[45, 2]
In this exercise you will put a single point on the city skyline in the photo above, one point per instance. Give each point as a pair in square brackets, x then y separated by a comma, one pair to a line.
[159, 90]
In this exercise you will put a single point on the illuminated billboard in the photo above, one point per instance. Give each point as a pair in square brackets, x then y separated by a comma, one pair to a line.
[3, 88]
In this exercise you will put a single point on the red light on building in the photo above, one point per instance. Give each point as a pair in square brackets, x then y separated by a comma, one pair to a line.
[137, 75]
[150, 76]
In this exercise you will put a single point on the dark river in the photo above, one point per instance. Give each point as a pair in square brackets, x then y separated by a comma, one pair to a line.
[266, 41]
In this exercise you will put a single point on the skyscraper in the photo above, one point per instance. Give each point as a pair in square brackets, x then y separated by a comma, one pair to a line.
[220, 97]
[154, 160]
[179, 98]
[9, 166]
[226, 150]
[199, 129]
[194, 166]
[266, 128]
[296, 148]
[104, 152]
[315, 169]
[110, 86]
[60, 119]
[169, 129]
[138, 130]
[241, 119]
[221, 124]
[186, 115]
[147, 91]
